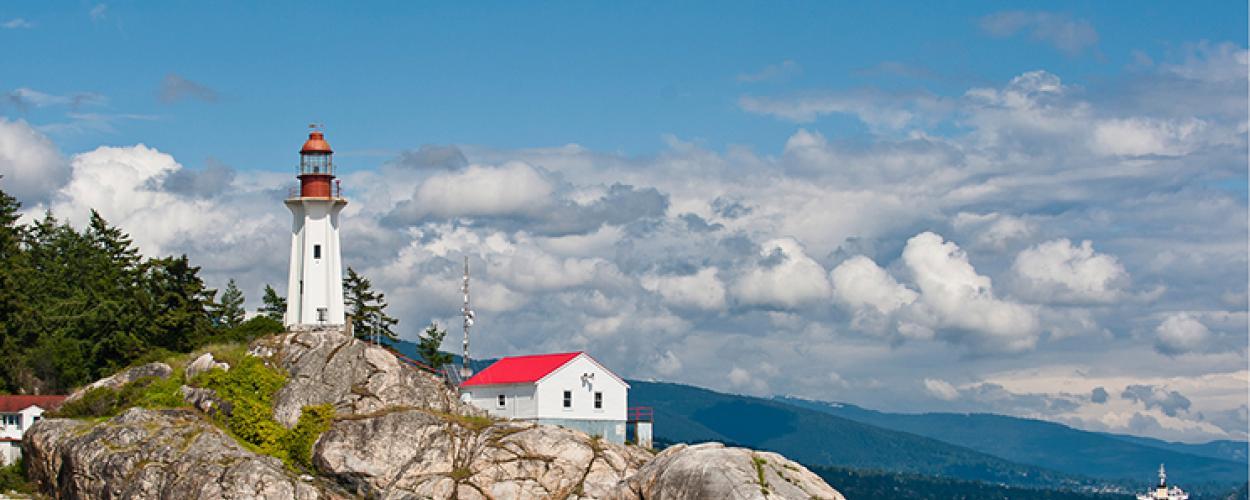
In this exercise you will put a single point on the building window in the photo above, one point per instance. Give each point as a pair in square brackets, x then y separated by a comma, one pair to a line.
[316, 251]
[502, 400]
[568, 399]
[598, 400]
[13, 421]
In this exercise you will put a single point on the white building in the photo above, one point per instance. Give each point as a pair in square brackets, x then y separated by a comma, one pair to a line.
[570, 389]
[17, 414]
[315, 284]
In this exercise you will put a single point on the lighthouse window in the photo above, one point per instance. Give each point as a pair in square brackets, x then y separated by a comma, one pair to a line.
[316, 251]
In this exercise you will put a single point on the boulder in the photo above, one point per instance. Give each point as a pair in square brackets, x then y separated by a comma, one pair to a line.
[327, 366]
[163, 454]
[710, 470]
[422, 454]
[119, 379]
[204, 363]
[206, 400]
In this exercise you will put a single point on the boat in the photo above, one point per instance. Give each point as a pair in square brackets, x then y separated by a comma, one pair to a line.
[1163, 491]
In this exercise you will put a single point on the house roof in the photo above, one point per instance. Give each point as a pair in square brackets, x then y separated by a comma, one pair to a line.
[13, 404]
[520, 369]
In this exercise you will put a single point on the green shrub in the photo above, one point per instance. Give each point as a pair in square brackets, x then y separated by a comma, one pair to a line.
[13, 478]
[313, 421]
[249, 386]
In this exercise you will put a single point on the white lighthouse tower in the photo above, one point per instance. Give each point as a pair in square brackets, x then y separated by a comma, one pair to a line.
[315, 287]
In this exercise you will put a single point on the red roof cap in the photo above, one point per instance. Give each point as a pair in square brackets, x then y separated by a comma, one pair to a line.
[14, 404]
[316, 143]
[520, 369]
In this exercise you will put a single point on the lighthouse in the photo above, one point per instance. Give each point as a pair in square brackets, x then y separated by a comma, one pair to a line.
[315, 287]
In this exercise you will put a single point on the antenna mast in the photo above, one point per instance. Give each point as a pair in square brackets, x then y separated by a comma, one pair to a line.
[467, 312]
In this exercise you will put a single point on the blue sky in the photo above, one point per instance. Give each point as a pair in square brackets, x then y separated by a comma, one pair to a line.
[908, 206]
[613, 78]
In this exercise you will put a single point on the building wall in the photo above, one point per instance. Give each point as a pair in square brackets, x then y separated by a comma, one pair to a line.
[550, 393]
[315, 282]
[11, 448]
[610, 430]
[518, 400]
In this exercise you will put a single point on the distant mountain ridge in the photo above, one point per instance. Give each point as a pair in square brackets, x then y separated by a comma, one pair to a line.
[1053, 445]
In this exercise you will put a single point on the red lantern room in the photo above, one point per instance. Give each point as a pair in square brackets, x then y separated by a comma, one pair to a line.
[316, 166]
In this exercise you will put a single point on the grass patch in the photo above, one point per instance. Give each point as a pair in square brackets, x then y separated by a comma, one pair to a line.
[147, 392]
[759, 473]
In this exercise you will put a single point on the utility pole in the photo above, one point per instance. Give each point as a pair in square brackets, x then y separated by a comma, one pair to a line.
[467, 312]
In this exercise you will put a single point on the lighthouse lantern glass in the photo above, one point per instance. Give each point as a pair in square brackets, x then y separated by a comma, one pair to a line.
[315, 163]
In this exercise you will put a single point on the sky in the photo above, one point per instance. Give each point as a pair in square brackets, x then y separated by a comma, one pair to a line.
[910, 207]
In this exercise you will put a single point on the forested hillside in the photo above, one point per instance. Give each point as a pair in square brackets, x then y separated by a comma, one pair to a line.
[76, 305]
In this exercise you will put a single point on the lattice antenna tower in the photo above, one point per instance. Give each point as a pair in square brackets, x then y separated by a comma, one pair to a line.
[467, 312]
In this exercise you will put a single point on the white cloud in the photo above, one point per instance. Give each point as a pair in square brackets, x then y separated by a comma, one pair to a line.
[702, 290]
[859, 282]
[941, 389]
[1180, 333]
[30, 164]
[785, 278]
[481, 190]
[1147, 136]
[962, 301]
[993, 230]
[1058, 271]
[876, 110]
[17, 23]
[1062, 31]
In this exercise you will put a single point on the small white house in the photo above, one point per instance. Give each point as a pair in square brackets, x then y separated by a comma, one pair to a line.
[569, 389]
[17, 414]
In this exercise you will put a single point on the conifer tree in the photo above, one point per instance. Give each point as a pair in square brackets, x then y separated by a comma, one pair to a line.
[428, 346]
[231, 313]
[367, 308]
[274, 305]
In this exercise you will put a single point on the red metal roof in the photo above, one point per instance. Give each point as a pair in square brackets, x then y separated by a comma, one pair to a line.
[14, 404]
[520, 369]
[316, 143]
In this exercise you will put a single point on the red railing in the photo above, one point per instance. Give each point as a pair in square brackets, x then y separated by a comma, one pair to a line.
[297, 191]
[641, 414]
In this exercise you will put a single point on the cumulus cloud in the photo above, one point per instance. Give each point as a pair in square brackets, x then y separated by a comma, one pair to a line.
[784, 277]
[961, 301]
[993, 230]
[941, 389]
[1180, 333]
[1058, 271]
[31, 166]
[1065, 33]
[876, 109]
[701, 290]
[1099, 395]
[175, 88]
[860, 282]
[479, 191]
[1169, 402]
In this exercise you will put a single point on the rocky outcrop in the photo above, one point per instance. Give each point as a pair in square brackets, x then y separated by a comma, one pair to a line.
[204, 363]
[358, 378]
[710, 470]
[119, 379]
[407, 453]
[165, 454]
[399, 433]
